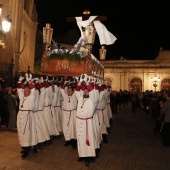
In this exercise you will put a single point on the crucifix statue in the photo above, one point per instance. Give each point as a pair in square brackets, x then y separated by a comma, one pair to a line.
[88, 26]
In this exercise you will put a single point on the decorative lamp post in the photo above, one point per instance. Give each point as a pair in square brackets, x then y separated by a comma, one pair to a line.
[47, 35]
[5, 25]
[6, 22]
[155, 81]
[1, 6]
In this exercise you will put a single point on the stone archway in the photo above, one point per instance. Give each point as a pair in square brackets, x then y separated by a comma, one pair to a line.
[135, 84]
[165, 84]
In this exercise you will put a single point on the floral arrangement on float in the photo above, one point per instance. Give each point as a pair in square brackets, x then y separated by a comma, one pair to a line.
[78, 53]
[75, 54]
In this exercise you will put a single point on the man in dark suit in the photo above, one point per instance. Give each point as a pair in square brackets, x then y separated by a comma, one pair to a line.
[114, 100]
[11, 101]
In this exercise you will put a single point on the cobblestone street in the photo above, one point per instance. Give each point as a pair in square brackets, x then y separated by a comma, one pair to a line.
[132, 146]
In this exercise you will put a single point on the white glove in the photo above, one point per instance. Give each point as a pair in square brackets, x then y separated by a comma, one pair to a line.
[85, 78]
[39, 80]
[82, 78]
[42, 80]
[36, 79]
[46, 78]
[98, 82]
[21, 78]
[30, 77]
[26, 75]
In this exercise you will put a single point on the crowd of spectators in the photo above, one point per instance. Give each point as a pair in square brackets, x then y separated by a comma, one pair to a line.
[9, 103]
[154, 104]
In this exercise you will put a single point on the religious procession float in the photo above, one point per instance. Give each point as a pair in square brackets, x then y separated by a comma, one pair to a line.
[79, 60]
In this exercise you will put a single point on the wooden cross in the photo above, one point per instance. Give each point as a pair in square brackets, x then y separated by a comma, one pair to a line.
[86, 15]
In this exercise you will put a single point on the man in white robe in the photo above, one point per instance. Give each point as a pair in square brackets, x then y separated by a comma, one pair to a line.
[59, 105]
[103, 117]
[47, 111]
[96, 120]
[39, 119]
[69, 115]
[56, 109]
[40, 110]
[52, 103]
[25, 120]
[84, 122]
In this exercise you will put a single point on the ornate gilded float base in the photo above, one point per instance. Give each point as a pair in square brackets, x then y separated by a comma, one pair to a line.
[65, 67]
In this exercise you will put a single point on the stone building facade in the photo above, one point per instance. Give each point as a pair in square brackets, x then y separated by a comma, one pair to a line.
[20, 40]
[136, 74]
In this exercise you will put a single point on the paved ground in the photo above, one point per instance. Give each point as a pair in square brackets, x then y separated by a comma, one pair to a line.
[132, 146]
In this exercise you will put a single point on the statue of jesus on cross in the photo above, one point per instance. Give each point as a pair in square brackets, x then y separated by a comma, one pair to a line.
[88, 26]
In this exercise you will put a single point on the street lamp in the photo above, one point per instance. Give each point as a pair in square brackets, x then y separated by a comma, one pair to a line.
[5, 25]
[6, 22]
[155, 81]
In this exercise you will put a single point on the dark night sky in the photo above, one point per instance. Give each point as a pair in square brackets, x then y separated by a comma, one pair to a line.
[141, 26]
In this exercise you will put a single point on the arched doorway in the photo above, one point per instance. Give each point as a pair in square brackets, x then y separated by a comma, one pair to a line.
[135, 84]
[165, 84]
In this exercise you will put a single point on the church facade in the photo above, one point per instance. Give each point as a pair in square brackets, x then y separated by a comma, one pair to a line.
[138, 74]
[20, 40]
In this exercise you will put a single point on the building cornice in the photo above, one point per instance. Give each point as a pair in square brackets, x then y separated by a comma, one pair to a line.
[136, 64]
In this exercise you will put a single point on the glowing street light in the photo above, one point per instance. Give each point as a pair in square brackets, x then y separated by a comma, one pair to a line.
[5, 25]
[6, 22]
[155, 81]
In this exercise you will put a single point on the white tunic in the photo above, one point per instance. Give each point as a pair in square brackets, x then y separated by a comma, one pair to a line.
[55, 115]
[69, 115]
[97, 131]
[58, 108]
[101, 107]
[25, 120]
[37, 117]
[59, 105]
[47, 112]
[84, 125]
[41, 115]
